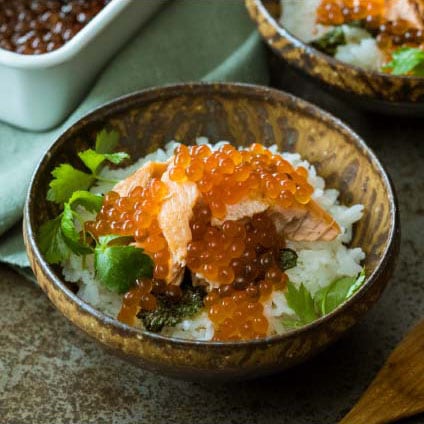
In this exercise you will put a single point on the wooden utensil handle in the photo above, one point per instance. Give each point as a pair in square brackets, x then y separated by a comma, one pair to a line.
[398, 389]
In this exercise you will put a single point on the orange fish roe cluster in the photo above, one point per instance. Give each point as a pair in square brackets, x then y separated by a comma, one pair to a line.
[237, 253]
[238, 314]
[338, 12]
[136, 215]
[138, 297]
[372, 13]
[399, 33]
[242, 257]
[226, 176]
[143, 297]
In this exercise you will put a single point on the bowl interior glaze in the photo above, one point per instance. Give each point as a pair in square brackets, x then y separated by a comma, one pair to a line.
[241, 114]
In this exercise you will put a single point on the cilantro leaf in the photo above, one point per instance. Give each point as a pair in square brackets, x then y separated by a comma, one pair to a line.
[106, 141]
[302, 303]
[329, 298]
[406, 60]
[357, 284]
[288, 259]
[93, 160]
[51, 241]
[117, 267]
[292, 323]
[319, 299]
[71, 235]
[116, 158]
[106, 240]
[89, 201]
[66, 180]
[58, 237]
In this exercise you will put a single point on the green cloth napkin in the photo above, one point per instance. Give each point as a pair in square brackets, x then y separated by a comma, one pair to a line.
[188, 40]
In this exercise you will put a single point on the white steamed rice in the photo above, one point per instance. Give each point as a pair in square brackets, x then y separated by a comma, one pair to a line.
[319, 263]
[299, 18]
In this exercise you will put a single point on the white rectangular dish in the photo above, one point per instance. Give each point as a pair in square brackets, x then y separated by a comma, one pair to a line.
[37, 92]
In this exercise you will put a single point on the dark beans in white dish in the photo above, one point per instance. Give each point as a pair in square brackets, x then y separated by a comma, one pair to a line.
[33, 27]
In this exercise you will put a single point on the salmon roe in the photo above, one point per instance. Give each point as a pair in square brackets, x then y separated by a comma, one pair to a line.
[138, 297]
[226, 176]
[338, 12]
[136, 215]
[242, 258]
[143, 297]
[390, 34]
[239, 258]
[238, 314]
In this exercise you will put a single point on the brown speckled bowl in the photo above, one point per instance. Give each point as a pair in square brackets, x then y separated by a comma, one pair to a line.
[372, 90]
[241, 114]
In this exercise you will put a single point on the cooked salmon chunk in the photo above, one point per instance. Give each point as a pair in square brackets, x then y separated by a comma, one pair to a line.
[174, 221]
[140, 178]
[174, 216]
[301, 223]
[309, 223]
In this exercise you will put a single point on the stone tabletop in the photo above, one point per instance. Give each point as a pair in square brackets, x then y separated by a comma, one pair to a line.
[51, 373]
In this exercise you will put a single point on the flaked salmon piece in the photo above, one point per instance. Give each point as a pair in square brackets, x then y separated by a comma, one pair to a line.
[174, 221]
[243, 209]
[300, 223]
[411, 11]
[173, 206]
[306, 223]
[140, 177]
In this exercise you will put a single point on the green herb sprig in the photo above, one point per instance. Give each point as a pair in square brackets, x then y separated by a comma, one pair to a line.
[308, 308]
[68, 179]
[58, 237]
[117, 264]
[406, 61]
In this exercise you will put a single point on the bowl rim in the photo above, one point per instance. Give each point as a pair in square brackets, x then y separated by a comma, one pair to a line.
[173, 90]
[310, 50]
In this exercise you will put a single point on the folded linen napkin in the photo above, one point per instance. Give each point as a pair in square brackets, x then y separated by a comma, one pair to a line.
[188, 40]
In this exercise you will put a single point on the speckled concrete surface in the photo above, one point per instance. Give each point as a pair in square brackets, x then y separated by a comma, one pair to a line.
[50, 373]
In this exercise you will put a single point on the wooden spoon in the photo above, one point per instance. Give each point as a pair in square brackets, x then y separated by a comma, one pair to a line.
[398, 390]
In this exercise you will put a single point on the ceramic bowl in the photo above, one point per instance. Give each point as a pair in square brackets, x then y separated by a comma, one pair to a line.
[376, 91]
[241, 114]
